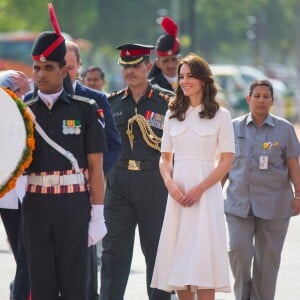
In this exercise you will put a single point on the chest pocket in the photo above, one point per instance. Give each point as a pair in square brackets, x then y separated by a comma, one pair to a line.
[177, 129]
[204, 132]
[276, 156]
[242, 148]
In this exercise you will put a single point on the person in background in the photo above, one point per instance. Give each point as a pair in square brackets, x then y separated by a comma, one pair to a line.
[192, 252]
[10, 204]
[163, 72]
[62, 208]
[135, 193]
[94, 78]
[113, 141]
[259, 197]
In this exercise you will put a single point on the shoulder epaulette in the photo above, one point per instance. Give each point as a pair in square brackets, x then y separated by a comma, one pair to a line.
[165, 95]
[162, 93]
[115, 93]
[83, 99]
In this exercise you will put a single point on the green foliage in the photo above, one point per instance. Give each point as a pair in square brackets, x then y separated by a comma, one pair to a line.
[214, 28]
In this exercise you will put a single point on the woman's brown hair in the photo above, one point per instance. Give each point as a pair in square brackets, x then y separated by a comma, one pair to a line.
[200, 70]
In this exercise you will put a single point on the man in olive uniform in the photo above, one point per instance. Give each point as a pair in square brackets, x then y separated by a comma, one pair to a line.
[135, 193]
[62, 210]
[167, 49]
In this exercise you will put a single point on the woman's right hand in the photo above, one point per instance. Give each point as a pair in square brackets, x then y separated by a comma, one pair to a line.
[175, 191]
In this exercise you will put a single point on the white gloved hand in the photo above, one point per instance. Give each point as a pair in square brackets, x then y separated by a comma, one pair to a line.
[97, 227]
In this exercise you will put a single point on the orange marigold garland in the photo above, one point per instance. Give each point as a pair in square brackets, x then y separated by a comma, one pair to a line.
[30, 144]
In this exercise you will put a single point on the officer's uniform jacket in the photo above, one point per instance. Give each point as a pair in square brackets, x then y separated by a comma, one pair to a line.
[152, 106]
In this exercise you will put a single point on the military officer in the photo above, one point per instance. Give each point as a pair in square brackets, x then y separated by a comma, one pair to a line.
[135, 193]
[167, 50]
[62, 209]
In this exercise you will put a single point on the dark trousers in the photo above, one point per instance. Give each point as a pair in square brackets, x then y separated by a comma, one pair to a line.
[132, 198]
[12, 221]
[55, 229]
[92, 274]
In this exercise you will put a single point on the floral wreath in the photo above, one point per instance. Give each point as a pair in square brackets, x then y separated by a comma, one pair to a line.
[30, 144]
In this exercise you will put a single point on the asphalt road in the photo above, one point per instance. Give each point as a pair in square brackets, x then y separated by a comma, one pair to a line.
[287, 286]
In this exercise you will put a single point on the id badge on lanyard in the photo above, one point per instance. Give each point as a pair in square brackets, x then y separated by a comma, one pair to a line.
[263, 162]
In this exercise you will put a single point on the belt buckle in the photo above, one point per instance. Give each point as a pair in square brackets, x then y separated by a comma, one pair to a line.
[50, 180]
[134, 165]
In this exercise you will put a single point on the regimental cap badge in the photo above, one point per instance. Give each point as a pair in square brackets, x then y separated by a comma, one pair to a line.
[42, 58]
[133, 54]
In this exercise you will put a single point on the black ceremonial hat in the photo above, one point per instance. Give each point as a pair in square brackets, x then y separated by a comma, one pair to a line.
[49, 45]
[168, 44]
[133, 54]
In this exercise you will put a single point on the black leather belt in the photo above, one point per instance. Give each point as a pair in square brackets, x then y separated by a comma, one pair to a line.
[136, 165]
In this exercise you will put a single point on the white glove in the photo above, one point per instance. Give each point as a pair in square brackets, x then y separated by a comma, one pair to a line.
[97, 227]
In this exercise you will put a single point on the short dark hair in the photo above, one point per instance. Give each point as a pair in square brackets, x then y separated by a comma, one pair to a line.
[263, 82]
[93, 69]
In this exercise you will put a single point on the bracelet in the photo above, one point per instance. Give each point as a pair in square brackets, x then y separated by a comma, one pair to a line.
[297, 197]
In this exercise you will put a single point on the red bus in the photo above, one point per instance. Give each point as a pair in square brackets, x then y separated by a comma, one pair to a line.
[15, 50]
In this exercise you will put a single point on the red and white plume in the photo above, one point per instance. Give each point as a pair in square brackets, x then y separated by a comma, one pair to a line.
[53, 19]
[169, 26]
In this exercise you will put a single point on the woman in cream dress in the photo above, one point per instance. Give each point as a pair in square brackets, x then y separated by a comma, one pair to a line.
[192, 254]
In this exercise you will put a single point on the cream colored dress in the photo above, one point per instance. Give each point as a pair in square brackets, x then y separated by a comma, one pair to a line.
[192, 247]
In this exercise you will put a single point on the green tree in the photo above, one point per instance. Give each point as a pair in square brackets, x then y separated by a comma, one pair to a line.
[215, 29]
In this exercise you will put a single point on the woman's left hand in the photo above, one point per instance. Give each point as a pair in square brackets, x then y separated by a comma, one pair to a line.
[192, 196]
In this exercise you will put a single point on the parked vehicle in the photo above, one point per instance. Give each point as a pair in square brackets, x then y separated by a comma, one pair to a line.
[15, 50]
[233, 89]
[284, 102]
[235, 80]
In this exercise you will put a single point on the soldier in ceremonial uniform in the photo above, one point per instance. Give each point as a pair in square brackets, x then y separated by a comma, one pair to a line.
[62, 209]
[167, 49]
[135, 193]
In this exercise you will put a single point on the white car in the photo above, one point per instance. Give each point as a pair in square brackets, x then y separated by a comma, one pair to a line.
[242, 76]
[233, 89]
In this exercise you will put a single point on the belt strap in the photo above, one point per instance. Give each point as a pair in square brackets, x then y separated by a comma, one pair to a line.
[55, 180]
[136, 165]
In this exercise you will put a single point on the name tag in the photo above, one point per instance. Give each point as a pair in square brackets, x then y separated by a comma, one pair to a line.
[263, 162]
